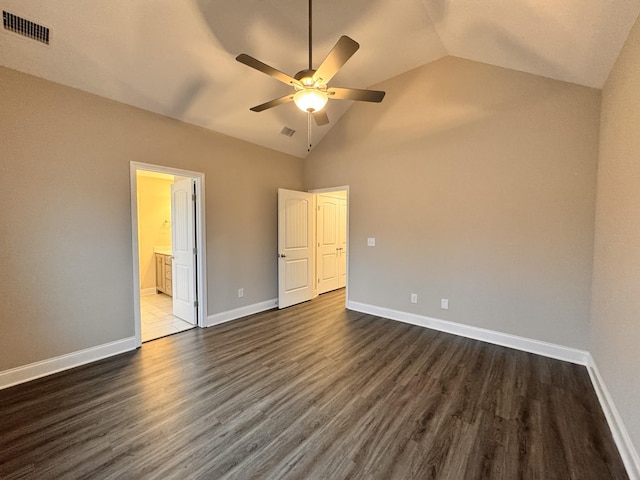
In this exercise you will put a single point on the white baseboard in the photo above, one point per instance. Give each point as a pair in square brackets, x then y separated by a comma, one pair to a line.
[148, 291]
[222, 317]
[620, 435]
[23, 374]
[546, 349]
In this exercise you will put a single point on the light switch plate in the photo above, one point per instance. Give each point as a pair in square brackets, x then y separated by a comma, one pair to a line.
[444, 304]
[371, 242]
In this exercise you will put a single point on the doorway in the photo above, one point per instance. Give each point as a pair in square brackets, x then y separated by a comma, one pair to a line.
[331, 241]
[313, 239]
[168, 246]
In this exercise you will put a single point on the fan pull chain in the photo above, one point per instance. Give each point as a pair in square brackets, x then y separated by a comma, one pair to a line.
[309, 131]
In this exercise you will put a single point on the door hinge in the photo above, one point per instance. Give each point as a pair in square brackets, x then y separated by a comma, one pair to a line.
[195, 303]
[195, 250]
[193, 197]
[318, 207]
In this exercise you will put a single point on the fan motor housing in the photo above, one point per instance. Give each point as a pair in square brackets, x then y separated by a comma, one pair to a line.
[305, 74]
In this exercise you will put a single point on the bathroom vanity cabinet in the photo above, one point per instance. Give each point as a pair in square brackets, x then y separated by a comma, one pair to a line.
[163, 273]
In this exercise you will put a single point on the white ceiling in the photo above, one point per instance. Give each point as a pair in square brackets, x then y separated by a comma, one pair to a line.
[177, 58]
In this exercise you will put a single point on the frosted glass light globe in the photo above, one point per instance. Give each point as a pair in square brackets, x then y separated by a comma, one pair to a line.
[310, 99]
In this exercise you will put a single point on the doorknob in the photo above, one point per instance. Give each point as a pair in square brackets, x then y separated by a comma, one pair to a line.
[281, 255]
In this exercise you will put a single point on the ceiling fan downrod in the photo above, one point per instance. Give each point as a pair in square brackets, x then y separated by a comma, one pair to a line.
[310, 37]
[310, 68]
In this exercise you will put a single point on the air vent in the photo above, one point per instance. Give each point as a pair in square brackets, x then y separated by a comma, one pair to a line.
[287, 131]
[25, 27]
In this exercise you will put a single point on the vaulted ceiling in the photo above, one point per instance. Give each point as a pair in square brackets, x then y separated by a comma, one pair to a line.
[177, 58]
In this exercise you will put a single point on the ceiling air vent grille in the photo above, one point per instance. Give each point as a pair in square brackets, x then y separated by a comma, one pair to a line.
[25, 27]
[288, 132]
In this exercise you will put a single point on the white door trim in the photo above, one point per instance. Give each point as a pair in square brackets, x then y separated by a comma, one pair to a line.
[201, 277]
[343, 188]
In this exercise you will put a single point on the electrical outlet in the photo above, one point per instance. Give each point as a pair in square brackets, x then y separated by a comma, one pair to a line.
[414, 298]
[240, 292]
[444, 304]
[371, 242]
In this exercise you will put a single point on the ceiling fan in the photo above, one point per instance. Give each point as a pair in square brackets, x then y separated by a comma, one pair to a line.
[311, 89]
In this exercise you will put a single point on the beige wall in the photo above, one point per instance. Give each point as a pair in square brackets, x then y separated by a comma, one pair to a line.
[615, 321]
[65, 231]
[479, 185]
[154, 223]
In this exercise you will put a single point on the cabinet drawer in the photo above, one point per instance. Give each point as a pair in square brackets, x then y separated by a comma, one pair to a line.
[167, 260]
[168, 287]
[167, 274]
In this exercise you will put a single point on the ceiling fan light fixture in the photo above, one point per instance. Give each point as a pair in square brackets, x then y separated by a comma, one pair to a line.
[310, 99]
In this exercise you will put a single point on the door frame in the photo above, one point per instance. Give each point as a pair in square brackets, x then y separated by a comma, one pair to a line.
[200, 225]
[343, 188]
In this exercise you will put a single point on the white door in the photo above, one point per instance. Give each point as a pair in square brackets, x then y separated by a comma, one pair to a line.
[328, 243]
[184, 243]
[342, 244]
[295, 247]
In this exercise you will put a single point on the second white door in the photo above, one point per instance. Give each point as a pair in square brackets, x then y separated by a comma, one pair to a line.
[342, 243]
[332, 242]
[328, 208]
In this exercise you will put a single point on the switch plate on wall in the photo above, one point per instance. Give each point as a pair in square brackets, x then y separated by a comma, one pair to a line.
[371, 242]
[444, 303]
[414, 298]
[240, 292]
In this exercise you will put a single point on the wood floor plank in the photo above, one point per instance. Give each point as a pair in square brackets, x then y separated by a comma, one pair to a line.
[310, 392]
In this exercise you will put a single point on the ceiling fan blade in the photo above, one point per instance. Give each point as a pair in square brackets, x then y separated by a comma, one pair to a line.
[356, 94]
[264, 68]
[321, 118]
[272, 103]
[338, 56]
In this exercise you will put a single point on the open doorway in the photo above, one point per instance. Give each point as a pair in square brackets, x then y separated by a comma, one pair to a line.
[313, 243]
[168, 233]
[331, 241]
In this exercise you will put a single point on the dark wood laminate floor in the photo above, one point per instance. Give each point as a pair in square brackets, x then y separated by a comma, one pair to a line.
[313, 391]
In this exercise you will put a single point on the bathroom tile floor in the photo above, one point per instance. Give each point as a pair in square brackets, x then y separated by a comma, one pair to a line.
[157, 320]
